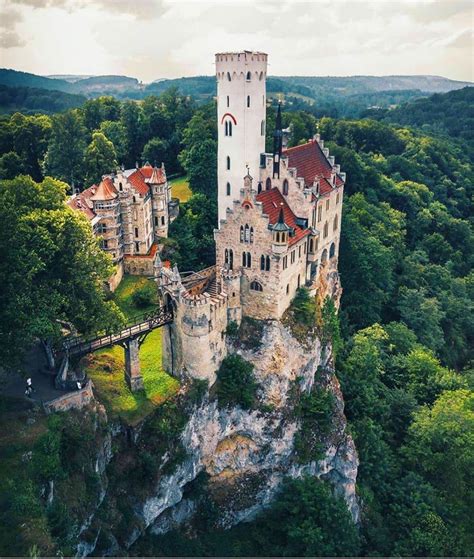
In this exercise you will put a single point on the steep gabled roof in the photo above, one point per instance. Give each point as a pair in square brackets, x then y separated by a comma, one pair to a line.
[273, 203]
[105, 191]
[82, 202]
[311, 164]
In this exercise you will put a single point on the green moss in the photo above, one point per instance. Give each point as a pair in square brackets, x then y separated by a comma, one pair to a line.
[123, 295]
[180, 189]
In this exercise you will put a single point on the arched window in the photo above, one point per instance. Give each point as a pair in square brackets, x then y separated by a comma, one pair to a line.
[249, 76]
[248, 101]
[335, 223]
[226, 128]
[285, 187]
[247, 233]
[299, 280]
[311, 245]
[325, 232]
[246, 260]
[231, 259]
[228, 163]
[262, 262]
[230, 128]
[228, 76]
[262, 128]
[227, 189]
[332, 250]
[226, 256]
[255, 286]
[259, 187]
[251, 234]
[268, 183]
[267, 264]
[324, 256]
[241, 233]
[120, 187]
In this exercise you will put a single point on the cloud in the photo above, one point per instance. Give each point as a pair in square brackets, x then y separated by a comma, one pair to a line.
[40, 3]
[464, 40]
[10, 39]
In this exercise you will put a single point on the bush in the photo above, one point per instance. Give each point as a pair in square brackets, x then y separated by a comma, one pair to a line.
[301, 315]
[232, 329]
[315, 410]
[145, 296]
[236, 383]
[251, 332]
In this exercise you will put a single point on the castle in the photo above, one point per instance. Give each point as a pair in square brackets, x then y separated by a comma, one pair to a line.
[279, 226]
[130, 210]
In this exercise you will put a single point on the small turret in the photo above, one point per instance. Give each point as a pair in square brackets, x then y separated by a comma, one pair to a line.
[280, 233]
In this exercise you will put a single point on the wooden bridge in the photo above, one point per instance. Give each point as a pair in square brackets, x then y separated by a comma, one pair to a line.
[130, 337]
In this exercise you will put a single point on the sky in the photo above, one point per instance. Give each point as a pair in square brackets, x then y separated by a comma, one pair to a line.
[151, 39]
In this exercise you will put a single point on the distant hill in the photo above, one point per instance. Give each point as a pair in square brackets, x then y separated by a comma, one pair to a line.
[449, 113]
[13, 78]
[36, 100]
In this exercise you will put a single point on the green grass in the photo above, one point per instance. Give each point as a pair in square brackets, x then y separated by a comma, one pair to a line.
[180, 189]
[106, 367]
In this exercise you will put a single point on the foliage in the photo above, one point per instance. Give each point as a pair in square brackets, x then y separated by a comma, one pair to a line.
[315, 411]
[99, 158]
[330, 329]
[52, 268]
[145, 295]
[235, 384]
[232, 329]
[36, 100]
[301, 315]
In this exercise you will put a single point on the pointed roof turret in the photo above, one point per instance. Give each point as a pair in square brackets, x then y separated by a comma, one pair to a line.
[105, 191]
[156, 176]
[280, 225]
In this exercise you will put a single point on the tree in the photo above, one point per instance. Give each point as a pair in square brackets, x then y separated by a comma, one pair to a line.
[99, 158]
[65, 155]
[307, 519]
[52, 268]
[11, 165]
[115, 132]
[131, 120]
[156, 152]
[236, 384]
[30, 138]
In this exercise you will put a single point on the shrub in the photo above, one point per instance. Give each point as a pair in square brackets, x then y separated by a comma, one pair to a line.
[330, 330]
[251, 332]
[236, 383]
[301, 315]
[145, 295]
[232, 329]
[315, 410]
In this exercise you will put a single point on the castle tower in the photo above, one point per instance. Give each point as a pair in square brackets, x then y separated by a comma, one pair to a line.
[241, 107]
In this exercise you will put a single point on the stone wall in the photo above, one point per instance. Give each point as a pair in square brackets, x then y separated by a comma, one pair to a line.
[72, 400]
[114, 281]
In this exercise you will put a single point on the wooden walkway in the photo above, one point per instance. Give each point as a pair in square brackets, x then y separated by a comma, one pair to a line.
[139, 326]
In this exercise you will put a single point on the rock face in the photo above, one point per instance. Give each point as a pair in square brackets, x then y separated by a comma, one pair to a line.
[246, 454]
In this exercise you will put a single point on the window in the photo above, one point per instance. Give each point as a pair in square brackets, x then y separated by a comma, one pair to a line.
[120, 186]
[105, 243]
[324, 256]
[335, 223]
[337, 198]
[299, 280]
[320, 211]
[313, 218]
[332, 250]
[262, 128]
[137, 247]
[241, 233]
[267, 263]
[293, 256]
[255, 286]
[162, 220]
[134, 200]
[246, 260]
[287, 288]
[299, 252]
[247, 233]
[229, 258]
[226, 128]
[285, 262]
[248, 101]
[259, 187]
[227, 189]
[262, 262]
[228, 163]
[326, 227]
[268, 183]
[136, 231]
[228, 76]
[228, 101]
[311, 245]
[156, 220]
[251, 234]
[285, 187]
[327, 204]
[249, 76]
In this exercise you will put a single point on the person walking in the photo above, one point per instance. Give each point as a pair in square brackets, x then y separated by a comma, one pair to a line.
[29, 387]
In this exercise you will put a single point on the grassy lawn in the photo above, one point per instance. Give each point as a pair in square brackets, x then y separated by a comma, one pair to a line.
[106, 367]
[180, 189]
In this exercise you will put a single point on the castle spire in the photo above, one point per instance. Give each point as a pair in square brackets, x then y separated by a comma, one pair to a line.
[277, 143]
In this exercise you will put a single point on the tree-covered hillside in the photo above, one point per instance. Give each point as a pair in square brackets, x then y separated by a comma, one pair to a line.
[35, 100]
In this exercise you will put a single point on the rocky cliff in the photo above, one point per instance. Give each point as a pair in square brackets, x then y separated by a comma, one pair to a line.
[243, 453]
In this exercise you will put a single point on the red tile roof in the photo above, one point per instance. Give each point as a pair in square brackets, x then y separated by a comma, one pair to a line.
[105, 191]
[81, 202]
[311, 164]
[154, 175]
[137, 180]
[273, 201]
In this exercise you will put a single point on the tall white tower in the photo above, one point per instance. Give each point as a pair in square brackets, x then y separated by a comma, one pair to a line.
[241, 104]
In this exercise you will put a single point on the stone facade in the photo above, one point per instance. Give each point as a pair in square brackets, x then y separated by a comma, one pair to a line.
[277, 232]
[129, 211]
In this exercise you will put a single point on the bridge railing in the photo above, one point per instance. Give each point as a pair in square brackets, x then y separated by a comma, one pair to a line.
[134, 326]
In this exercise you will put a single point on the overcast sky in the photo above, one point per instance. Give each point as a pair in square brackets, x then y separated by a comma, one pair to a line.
[151, 39]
